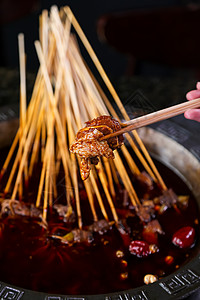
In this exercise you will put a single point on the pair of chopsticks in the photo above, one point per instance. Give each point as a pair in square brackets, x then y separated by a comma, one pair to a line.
[154, 117]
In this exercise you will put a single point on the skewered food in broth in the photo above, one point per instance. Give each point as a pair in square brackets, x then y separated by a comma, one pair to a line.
[115, 225]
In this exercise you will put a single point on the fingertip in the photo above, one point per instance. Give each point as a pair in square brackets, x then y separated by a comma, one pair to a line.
[193, 114]
[189, 96]
[193, 94]
[187, 114]
[198, 85]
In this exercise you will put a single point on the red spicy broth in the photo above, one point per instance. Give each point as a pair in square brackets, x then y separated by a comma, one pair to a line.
[31, 258]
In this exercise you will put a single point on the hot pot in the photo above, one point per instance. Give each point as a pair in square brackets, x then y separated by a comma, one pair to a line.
[177, 148]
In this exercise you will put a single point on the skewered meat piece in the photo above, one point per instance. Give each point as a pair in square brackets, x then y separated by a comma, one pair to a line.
[66, 212]
[106, 125]
[19, 208]
[166, 200]
[169, 198]
[154, 226]
[146, 210]
[145, 179]
[89, 148]
[88, 145]
[76, 236]
[101, 226]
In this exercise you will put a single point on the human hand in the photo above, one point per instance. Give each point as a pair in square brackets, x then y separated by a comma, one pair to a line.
[193, 114]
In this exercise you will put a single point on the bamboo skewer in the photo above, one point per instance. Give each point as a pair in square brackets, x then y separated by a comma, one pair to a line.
[17, 159]
[127, 182]
[109, 176]
[35, 149]
[74, 178]
[14, 145]
[103, 181]
[44, 31]
[104, 184]
[22, 63]
[151, 163]
[99, 198]
[10, 154]
[74, 171]
[86, 183]
[22, 162]
[61, 137]
[91, 200]
[154, 117]
[105, 111]
[131, 142]
[109, 85]
[102, 176]
[70, 121]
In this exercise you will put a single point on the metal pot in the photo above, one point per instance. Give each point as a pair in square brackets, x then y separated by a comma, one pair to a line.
[178, 149]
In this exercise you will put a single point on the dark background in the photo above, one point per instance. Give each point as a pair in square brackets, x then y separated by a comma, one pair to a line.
[22, 16]
[150, 45]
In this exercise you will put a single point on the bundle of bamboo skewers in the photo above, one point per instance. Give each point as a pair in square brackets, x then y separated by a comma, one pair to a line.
[66, 95]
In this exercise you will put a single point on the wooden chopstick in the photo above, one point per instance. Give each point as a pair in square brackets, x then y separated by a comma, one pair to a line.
[154, 117]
